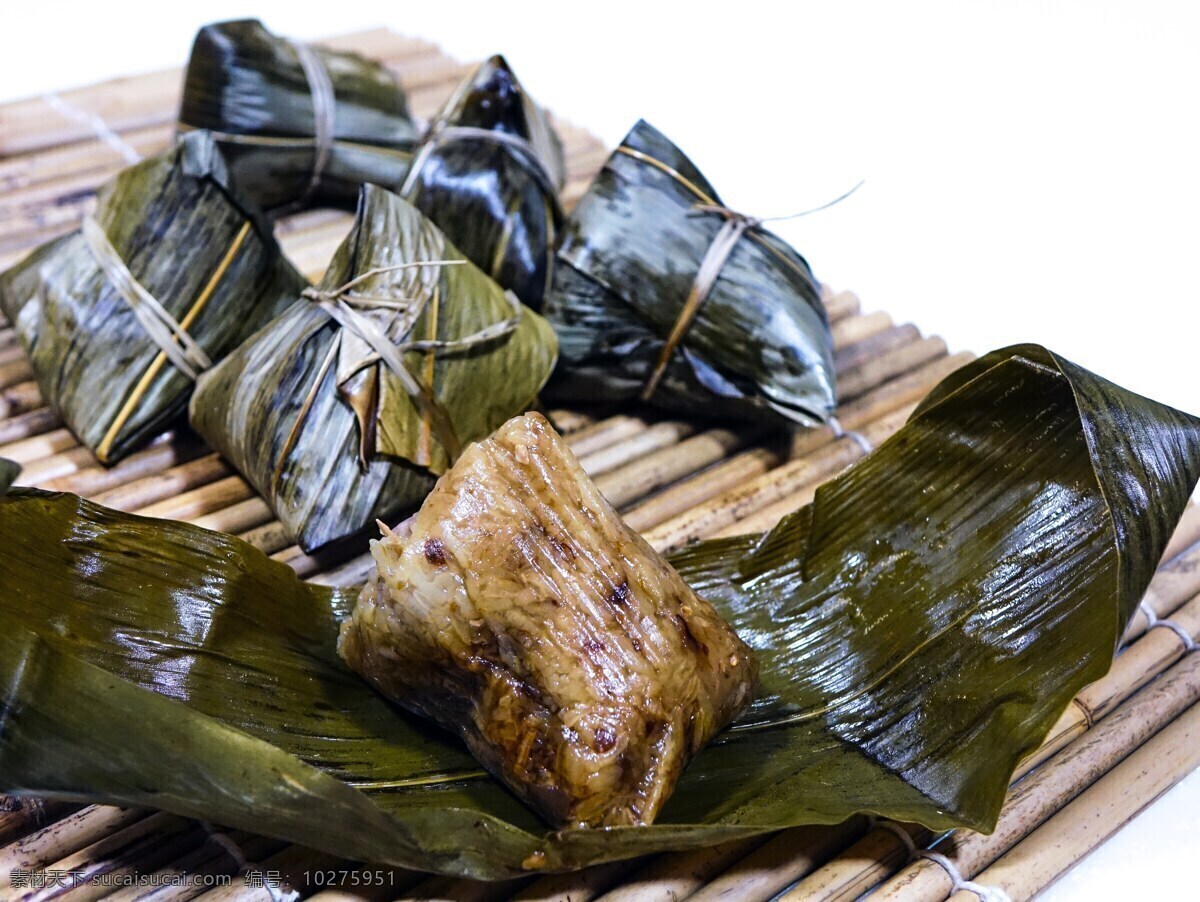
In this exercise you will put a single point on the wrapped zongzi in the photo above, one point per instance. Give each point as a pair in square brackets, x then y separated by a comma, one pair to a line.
[487, 172]
[662, 292]
[348, 406]
[517, 608]
[299, 124]
[172, 271]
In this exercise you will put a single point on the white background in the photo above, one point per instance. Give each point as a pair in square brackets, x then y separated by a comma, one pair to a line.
[1032, 169]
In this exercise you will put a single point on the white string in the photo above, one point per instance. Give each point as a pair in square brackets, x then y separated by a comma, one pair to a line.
[857, 437]
[985, 893]
[96, 124]
[234, 851]
[1152, 620]
[228, 846]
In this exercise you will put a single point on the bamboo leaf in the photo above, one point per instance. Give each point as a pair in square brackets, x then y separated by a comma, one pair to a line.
[184, 231]
[251, 89]
[919, 627]
[631, 253]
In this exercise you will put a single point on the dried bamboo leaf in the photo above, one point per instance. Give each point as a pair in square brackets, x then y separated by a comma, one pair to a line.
[323, 429]
[918, 627]
[759, 346]
[487, 172]
[191, 238]
[252, 90]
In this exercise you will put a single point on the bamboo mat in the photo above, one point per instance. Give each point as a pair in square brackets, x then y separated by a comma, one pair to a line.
[1124, 740]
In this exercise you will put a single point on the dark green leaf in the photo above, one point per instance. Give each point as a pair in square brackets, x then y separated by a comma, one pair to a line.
[249, 87]
[322, 429]
[919, 628]
[758, 348]
[194, 241]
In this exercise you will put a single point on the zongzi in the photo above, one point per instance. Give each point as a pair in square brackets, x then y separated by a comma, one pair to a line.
[487, 172]
[517, 608]
[662, 292]
[348, 406]
[172, 271]
[299, 124]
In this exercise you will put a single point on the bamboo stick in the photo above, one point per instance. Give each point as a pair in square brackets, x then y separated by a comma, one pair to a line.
[204, 500]
[677, 875]
[767, 517]
[25, 425]
[450, 889]
[606, 432]
[141, 846]
[90, 479]
[21, 816]
[1100, 810]
[580, 886]
[23, 397]
[64, 837]
[858, 328]
[653, 438]
[374, 884]
[782, 860]
[888, 365]
[182, 879]
[640, 477]
[15, 371]
[140, 494]
[237, 518]
[291, 870]
[1061, 779]
[569, 421]
[860, 352]
[27, 450]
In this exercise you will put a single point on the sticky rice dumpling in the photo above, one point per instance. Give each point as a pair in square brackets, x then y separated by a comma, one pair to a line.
[299, 124]
[348, 406]
[488, 173]
[173, 270]
[662, 293]
[519, 610]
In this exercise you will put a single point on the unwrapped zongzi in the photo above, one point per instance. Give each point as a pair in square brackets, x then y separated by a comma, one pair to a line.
[662, 292]
[299, 124]
[347, 406]
[172, 271]
[518, 609]
[487, 172]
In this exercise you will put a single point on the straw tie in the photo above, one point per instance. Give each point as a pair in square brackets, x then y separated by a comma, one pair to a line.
[343, 304]
[99, 127]
[323, 102]
[985, 893]
[735, 226]
[1153, 620]
[440, 134]
[164, 330]
[714, 259]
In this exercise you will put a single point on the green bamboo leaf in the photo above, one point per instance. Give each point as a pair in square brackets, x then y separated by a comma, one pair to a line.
[488, 171]
[251, 89]
[326, 432]
[759, 346]
[919, 628]
[186, 232]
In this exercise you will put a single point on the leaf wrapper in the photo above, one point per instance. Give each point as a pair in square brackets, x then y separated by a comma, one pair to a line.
[497, 202]
[759, 347]
[322, 429]
[198, 245]
[919, 628]
[250, 88]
